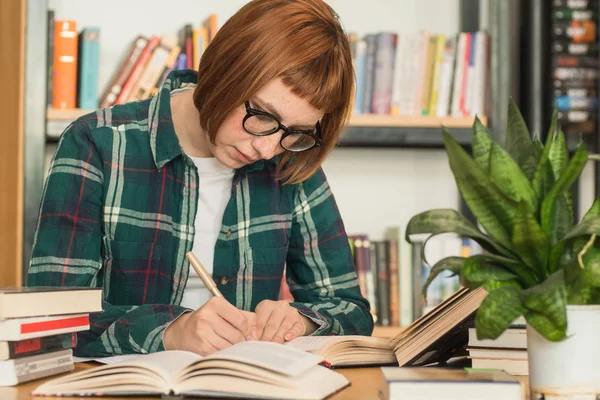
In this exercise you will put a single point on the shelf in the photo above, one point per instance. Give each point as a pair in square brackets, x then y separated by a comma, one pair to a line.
[386, 331]
[363, 130]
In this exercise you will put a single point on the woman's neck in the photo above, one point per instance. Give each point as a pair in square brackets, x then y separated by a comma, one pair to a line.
[186, 120]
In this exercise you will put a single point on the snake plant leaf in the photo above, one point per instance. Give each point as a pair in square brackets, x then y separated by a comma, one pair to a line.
[524, 275]
[510, 178]
[481, 145]
[518, 139]
[558, 155]
[453, 264]
[478, 269]
[490, 286]
[591, 265]
[545, 326]
[531, 159]
[588, 226]
[549, 299]
[446, 220]
[529, 241]
[492, 208]
[497, 312]
[594, 211]
[550, 218]
[543, 179]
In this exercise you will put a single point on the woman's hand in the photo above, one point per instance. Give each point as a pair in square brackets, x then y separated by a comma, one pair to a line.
[214, 326]
[278, 322]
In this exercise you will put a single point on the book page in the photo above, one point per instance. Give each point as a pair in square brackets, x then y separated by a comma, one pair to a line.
[271, 356]
[107, 360]
[166, 363]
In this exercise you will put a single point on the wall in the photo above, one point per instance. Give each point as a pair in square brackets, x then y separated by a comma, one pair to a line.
[374, 188]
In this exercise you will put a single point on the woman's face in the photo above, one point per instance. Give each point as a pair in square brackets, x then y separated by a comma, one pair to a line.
[234, 147]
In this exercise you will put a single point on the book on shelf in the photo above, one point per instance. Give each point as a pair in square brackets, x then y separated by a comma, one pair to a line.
[25, 369]
[421, 74]
[73, 63]
[456, 384]
[31, 347]
[247, 369]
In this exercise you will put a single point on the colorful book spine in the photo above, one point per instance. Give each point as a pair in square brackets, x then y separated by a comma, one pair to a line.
[64, 82]
[89, 66]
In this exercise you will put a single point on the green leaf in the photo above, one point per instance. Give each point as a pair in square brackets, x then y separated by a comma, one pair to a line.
[482, 144]
[558, 155]
[594, 211]
[531, 159]
[453, 264]
[478, 269]
[549, 299]
[543, 179]
[551, 206]
[490, 286]
[447, 220]
[530, 241]
[591, 265]
[510, 178]
[545, 326]
[518, 138]
[497, 312]
[588, 226]
[525, 276]
[492, 208]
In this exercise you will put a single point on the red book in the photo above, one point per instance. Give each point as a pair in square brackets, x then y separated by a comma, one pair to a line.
[29, 328]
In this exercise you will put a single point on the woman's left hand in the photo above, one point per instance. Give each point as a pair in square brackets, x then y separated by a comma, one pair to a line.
[279, 322]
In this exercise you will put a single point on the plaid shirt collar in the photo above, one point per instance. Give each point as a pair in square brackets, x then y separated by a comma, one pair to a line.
[163, 139]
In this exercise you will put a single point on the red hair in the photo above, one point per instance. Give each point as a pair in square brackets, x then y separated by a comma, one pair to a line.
[300, 41]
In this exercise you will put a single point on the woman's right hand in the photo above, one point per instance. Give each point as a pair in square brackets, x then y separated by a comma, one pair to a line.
[214, 326]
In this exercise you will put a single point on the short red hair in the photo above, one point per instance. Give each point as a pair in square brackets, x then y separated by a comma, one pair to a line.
[300, 41]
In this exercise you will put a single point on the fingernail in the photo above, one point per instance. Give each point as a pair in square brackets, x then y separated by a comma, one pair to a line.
[249, 338]
[288, 336]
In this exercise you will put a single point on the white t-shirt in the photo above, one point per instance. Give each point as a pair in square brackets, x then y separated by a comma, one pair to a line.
[214, 182]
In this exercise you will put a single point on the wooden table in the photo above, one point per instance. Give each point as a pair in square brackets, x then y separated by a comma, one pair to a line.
[366, 384]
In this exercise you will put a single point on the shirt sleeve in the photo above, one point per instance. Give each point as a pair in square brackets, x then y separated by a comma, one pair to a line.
[67, 250]
[320, 269]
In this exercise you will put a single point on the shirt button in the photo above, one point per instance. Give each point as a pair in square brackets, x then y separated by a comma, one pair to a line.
[223, 280]
[228, 234]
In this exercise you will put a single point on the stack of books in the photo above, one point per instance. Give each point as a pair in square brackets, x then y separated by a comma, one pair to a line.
[37, 329]
[508, 352]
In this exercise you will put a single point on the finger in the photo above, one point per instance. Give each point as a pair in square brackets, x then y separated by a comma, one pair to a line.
[273, 323]
[296, 331]
[218, 341]
[252, 323]
[226, 331]
[203, 344]
[285, 326]
[232, 315]
[262, 316]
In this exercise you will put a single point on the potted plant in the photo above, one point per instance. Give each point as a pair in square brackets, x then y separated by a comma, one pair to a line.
[537, 262]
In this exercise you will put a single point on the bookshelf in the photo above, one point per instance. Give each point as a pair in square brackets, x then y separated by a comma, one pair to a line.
[363, 130]
[12, 65]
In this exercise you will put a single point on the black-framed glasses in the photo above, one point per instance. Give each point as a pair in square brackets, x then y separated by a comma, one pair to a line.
[261, 123]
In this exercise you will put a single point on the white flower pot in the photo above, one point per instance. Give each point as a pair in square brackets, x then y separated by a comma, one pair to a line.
[569, 369]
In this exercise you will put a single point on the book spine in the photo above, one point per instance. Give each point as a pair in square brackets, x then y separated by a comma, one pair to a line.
[443, 106]
[64, 82]
[574, 49]
[35, 367]
[137, 70]
[361, 50]
[428, 76]
[374, 287]
[394, 283]
[89, 63]
[574, 15]
[417, 282]
[30, 347]
[384, 72]
[383, 283]
[181, 61]
[576, 3]
[440, 43]
[369, 73]
[124, 71]
[29, 328]
[578, 31]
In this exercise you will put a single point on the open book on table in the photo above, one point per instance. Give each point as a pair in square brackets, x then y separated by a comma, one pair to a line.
[248, 369]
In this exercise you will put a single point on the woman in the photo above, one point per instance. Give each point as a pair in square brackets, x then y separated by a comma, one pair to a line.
[224, 162]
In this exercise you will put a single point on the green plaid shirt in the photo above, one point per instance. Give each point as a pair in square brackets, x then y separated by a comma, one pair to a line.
[118, 212]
